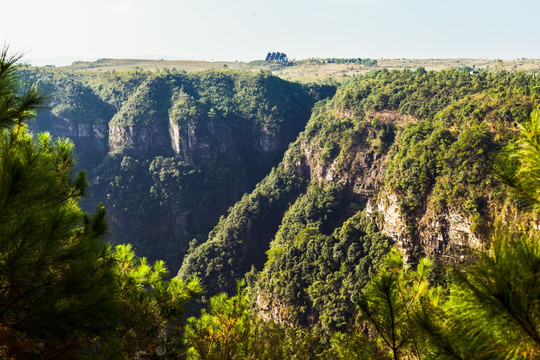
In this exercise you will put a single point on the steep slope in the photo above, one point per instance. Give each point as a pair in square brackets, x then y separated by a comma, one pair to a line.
[395, 157]
[168, 152]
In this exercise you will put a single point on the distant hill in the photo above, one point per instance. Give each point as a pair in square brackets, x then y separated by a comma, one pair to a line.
[306, 70]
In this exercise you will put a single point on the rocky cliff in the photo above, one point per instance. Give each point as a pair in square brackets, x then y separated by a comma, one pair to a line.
[446, 233]
[91, 140]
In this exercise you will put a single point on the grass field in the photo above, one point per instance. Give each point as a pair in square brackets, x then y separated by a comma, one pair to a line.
[305, 72]
[153, 65]
[313, 72]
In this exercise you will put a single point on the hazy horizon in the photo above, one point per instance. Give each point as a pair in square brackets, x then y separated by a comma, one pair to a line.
[62, 31]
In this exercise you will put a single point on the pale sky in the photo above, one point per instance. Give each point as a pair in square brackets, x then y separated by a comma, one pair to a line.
[61, 31]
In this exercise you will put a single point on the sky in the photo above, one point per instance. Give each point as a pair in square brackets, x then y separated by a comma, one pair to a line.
[62, 31]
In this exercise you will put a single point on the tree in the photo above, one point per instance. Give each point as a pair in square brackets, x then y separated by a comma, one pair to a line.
[231, 330]
[493, 307]
[151, 310]
[519, 164]
[64, 293]
[57, 286]
[390, 302]
[227, 331]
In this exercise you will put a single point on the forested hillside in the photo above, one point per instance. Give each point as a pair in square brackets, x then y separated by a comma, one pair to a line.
[398, 157]
[167, 152]
[391, 218]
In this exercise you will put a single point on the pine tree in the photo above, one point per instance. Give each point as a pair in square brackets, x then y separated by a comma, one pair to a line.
[493, 307]
[390, 302]
[64, 293]
[151, 310]
[518, 165]
[57, 286]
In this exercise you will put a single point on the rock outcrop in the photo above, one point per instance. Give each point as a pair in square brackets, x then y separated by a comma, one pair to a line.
[91, 140]
[140, 141]
[446, 234]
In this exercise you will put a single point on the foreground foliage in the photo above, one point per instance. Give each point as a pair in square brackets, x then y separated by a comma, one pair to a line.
[492, 310]
[230, 330]
[57, 287]
[64, 293]
[151, 310]
[489, 311]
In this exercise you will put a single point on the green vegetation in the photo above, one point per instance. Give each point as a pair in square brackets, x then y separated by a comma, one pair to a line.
[64, 293]
[224, 111]
[491, 310]
[176, 149]
[68, 100]
[149, 319]
[229, 330]
[331, 280]
[148, 189]
[367, 62]
[389, 304]
[384, 233]
[318, 275]
[149, 104]
[57, 288]
[518, 164]
[487, 309]
[241, 239]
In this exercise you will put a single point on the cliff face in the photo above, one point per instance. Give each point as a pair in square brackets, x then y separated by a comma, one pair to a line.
[192, 148]
[76, 112]
[90, 140]
[139, 141]
[362, 171]
[445, 234]
[213, 148]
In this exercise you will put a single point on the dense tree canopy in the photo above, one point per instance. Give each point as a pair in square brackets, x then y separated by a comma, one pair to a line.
[327, 283]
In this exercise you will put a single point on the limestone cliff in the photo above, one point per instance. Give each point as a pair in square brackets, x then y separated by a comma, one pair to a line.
[139, 141]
